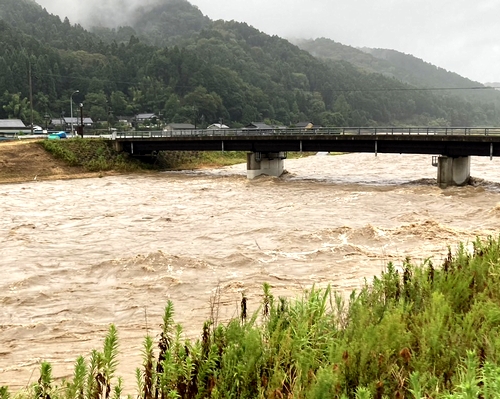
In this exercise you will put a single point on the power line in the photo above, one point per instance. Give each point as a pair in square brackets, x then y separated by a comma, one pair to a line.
[419, 89]
[361, 90]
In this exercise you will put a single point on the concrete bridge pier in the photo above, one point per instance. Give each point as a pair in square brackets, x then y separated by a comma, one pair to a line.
[453, 171]
[262, 163]
[118, 146]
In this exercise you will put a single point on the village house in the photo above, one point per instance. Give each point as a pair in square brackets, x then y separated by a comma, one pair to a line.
[12, 126]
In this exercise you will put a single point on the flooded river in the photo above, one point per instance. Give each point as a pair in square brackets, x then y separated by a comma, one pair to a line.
[77, 255]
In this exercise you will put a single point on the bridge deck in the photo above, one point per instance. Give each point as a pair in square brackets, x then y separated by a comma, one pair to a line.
[484, 141]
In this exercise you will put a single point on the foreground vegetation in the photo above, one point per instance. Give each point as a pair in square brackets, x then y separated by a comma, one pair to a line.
[430, 332]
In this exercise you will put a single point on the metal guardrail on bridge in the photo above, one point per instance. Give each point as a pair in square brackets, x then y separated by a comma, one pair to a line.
[443, 131]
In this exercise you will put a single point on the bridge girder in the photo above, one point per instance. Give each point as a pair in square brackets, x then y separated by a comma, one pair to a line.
[453, 146]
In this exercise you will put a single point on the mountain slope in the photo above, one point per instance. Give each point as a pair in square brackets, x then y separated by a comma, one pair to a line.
[418, 72]
[330, 50]
[403, 67]
[158, 24]
[28, 17]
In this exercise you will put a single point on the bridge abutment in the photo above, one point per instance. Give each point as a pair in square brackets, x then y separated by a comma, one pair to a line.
[453, 171]
[261, 163]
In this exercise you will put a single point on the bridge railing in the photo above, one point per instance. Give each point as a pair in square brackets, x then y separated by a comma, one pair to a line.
[446, 131]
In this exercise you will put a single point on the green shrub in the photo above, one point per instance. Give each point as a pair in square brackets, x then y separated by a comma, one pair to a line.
[93, 155]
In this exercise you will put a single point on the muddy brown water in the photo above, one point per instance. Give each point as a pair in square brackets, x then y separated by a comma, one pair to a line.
[77, 255]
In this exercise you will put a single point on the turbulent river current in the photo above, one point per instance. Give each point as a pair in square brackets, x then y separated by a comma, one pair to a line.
[77, 255]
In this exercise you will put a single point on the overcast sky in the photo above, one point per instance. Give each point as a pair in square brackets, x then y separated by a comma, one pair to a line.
[462, 36]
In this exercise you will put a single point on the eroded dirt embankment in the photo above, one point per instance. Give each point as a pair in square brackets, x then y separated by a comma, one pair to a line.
[22, 161]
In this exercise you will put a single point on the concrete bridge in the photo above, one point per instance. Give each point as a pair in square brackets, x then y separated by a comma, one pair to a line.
[451, 147]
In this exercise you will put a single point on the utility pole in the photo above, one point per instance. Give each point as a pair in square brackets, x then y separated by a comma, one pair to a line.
[81, 119]
[71, 108]
[31, 95]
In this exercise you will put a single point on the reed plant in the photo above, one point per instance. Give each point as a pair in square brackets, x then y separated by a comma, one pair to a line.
[428, 332]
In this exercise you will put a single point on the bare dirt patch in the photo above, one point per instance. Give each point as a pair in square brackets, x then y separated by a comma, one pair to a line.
[22, 161]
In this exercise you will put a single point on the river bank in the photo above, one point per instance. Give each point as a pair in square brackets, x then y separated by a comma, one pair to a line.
[27, 160]
[22, 161]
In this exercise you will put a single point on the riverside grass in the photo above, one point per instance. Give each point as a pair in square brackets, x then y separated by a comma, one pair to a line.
[98, 155]
[95, 155]
[425, 333]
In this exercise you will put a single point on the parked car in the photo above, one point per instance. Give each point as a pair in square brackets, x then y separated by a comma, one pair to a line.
[57, 136]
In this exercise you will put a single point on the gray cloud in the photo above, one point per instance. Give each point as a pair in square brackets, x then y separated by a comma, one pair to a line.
[109, 13]
[458, 35]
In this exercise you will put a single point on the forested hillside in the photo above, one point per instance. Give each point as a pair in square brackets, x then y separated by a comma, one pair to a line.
[216, 70]
[160, 25]
[403, 67]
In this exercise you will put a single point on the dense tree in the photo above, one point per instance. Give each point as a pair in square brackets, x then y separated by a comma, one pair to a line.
[16, 107]
[118, 102]
[97, 106]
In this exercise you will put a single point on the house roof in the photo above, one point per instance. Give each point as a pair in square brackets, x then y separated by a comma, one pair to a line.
[12, 123]
[258, 125]
[217, 126]
[125, 118]
[74, 120]
[304, 124]
[176, 126]
[140, 117]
